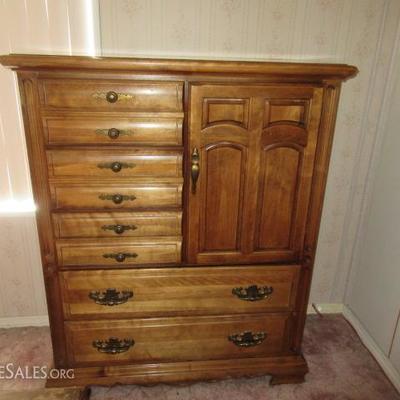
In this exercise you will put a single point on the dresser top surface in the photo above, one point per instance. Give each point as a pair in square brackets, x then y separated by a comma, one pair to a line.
[311, 71]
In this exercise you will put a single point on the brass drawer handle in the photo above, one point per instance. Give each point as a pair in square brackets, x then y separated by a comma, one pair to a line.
[117, 198]
[114, 133]
[119, 229]
[111, 297]
[115, 166]
[247, 339]
[113, 345]
[253, 293]
[195, 168]
[113, 97]
[120, 257]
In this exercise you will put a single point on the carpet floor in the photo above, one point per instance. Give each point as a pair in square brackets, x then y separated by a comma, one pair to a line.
[341, 368]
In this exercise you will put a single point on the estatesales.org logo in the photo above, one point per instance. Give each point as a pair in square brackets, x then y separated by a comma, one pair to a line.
[11, 371]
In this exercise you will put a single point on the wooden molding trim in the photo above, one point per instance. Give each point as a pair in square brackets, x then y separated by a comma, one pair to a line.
[312, 71]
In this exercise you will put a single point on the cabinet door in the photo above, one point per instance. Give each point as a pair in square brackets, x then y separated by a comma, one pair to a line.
[253, 150]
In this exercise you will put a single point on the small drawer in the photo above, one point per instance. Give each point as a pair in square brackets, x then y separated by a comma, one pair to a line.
[176, 339]
[111, 95]
[119, 130]
[114, 163]
[117, 224]
[119, 252]
[178, 291]
[116, 196]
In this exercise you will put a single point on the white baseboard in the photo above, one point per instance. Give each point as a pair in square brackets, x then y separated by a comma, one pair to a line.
[325, 308]
[16, 322]
[370, 344]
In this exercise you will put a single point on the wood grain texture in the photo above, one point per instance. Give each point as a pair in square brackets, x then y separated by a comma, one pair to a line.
[283, 70]
[189, 371]
[30, 107]
[129, 96]
[151, 130]
[178, 339]
[255, 172]
[114, 164]
[179, 291]
[263, 155]
[139, 196]
[92, 225]
[151, 250]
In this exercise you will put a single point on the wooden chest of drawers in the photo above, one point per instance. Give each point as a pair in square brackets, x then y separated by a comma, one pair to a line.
[178, 211]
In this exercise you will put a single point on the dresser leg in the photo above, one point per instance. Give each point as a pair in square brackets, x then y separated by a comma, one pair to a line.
[85, 393]
[281, 379]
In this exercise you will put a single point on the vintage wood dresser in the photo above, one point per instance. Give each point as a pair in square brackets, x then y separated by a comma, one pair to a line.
[179, 203]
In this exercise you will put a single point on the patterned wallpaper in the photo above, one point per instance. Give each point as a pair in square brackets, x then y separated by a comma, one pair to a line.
[360, 32]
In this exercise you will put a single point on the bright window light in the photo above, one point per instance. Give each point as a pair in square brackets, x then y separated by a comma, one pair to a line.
[17, 206]
[90, 27]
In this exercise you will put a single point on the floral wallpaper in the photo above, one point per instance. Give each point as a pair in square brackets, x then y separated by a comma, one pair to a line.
[21, 283]
[359, 32]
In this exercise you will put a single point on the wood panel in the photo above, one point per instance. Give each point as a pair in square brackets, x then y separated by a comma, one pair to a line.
[114, 164]
[223, 166]
[95, 94]
[165, 339]
[179, 291]
[287, 152]
[278, 189]
[134, 224]
[36, 152]
[284, 369]
[153, 130]
[255, 171]
[101, 252]
[136, 196]
[278, 70]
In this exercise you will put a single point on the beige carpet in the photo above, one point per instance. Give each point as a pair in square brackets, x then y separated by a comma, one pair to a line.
[341, 368]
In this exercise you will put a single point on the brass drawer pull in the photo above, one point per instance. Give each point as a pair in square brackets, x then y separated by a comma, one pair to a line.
[247, 339]
[117, 198]
[119, 229]
[253, 293]
[115, 166]
[120, 257]
[114, 133]
[113, 345]
[111, 297]
[113, 97]
[195, 169]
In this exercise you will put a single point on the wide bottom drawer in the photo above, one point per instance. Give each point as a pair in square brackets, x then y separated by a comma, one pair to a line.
[176, 339]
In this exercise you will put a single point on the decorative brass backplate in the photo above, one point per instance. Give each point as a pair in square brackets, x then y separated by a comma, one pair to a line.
[247, 339]
[253, 293]
[119, 229]
[115, 166]
[113, 345]
[111, 297]
[113, 97]
[114, 133]
[120, 257]
[117, 198]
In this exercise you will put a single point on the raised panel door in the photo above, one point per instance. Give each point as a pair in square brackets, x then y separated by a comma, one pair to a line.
[251, 161]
